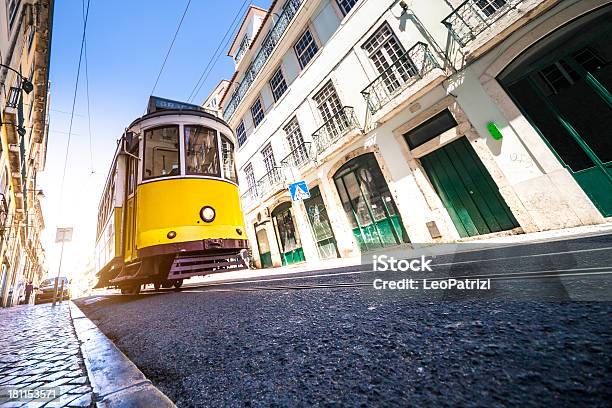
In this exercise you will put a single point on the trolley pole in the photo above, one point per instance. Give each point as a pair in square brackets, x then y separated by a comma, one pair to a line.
[62, 235]
[59, 271]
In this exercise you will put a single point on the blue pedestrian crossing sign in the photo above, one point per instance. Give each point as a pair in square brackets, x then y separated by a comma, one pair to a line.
[299, 191]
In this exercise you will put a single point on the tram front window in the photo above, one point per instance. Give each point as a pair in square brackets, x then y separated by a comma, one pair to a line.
[202, 155]
[227, 157]
[161, 156]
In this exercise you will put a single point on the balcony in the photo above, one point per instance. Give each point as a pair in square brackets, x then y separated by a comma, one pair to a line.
[271, 182]
[336, 127]
[408, 69]
[267, 46]
[249, 197]
[298, 156]
[472, 17]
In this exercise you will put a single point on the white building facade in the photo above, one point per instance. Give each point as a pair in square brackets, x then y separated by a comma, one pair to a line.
[25, 42]
[419, 121]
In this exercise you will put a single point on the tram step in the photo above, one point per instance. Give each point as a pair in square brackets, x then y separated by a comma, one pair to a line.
[187, 266]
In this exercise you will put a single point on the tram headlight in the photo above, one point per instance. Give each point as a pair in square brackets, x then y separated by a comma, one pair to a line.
[207, 214]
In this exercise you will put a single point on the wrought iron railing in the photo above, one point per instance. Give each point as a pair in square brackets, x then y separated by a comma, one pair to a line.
[3, 217]
[298, 156]
[408, 69]
[472, 17]
[244, 46]
[337, 126]
[271, 180]
[249, 196]
[13, 97]
[267, 46]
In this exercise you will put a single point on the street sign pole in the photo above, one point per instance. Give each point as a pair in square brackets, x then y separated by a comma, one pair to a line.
[62, 235]
[59, 271]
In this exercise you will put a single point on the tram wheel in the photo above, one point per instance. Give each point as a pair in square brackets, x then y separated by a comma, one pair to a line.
[130, 290]
[177, 283]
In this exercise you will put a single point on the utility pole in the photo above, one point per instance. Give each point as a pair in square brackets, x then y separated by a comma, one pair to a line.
[59, 271]
[62, 235]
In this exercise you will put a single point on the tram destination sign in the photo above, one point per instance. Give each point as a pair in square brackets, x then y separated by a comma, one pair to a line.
[158, 104]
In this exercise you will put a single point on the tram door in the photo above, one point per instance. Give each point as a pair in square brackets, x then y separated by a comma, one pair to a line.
[130, 208]
[368, 204]
[563, 86]
[288, 239]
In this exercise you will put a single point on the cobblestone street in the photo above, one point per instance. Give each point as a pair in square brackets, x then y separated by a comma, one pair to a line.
[39, 349]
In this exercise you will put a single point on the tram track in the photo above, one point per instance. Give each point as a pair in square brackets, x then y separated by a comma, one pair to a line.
[545, 274]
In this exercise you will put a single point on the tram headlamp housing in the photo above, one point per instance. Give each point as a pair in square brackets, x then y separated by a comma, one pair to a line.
[207, 214]
[171, 234]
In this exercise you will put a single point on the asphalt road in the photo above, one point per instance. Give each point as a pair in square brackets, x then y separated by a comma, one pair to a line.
[540, 336]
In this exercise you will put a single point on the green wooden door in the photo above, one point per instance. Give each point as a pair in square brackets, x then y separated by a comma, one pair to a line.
[321, 227]
[467, 191]
[368, 204]
[287, 236]
[563, 87]
[265, 256]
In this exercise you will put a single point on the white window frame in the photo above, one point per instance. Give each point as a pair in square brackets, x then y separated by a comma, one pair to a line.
[261, 108]
[238, 139]
[344, 12]
[315, 41]
[283, 81]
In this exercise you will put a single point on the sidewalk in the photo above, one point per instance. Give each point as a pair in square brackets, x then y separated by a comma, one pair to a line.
[39, 348]
[59, 351]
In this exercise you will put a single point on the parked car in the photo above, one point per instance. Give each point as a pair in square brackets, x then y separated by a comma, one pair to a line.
[46, 290]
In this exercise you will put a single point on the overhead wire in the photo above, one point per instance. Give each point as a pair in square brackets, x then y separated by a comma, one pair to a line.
[92, 171]
[215, 57]
[178, 28]
[76, 88]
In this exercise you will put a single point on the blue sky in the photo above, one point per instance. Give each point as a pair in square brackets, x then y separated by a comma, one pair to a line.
[126, 43]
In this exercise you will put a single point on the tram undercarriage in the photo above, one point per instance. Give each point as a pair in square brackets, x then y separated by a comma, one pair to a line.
[169, 270]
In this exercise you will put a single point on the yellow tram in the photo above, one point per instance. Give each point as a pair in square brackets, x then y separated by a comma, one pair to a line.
[170, 208]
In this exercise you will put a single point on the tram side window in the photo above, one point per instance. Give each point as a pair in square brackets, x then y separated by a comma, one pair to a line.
[202, 154]
[229, 165]
[161, 158]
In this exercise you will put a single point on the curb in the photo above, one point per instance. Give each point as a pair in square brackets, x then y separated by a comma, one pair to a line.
[115, 380]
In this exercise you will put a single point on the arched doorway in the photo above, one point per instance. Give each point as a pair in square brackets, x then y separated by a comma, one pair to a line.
[320, 224]
[368, 204]
[563, 86]
[263, 246]
[288, 239]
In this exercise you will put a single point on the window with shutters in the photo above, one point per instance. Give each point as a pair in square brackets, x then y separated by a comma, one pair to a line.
[346, 5]
[489, 7]
[305, 48]
[389, 58]
[296, 142]
[241, 133]
[268, 158]
[278, 84]
[249, 176]
[335, 119]
[257, 112]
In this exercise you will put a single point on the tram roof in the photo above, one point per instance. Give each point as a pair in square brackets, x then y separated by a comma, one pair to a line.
[170, 112]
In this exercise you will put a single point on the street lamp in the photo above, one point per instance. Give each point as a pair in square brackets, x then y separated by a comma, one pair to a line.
[21, 131]
[25, 83]
[39, 193]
